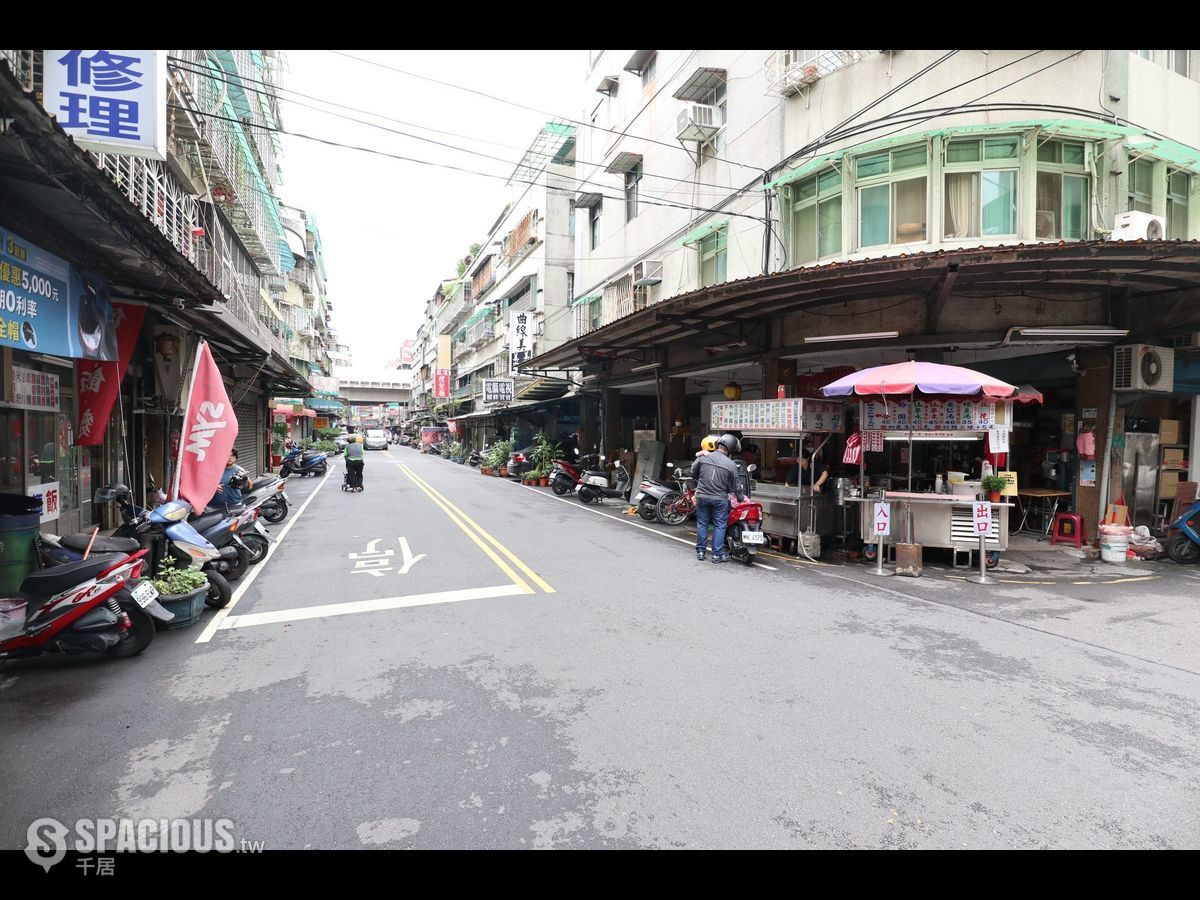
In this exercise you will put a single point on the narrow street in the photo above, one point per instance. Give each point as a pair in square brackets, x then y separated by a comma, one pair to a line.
[446, 660]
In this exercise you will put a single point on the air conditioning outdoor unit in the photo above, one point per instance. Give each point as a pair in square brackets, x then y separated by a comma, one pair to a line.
[1138, 226]
[648, 271]
[699, 123]
[1141, 367]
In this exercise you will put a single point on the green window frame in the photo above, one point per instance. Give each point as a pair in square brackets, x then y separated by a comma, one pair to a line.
[1141, 180]
[893, 196]
[1179, 187]
[816, 217]
[713, 251]
[1063, 191]
[981, 193]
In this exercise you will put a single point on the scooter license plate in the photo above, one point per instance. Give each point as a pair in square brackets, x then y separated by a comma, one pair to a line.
[638, 499]
[145, 594]
[578, 488]
[753, 537]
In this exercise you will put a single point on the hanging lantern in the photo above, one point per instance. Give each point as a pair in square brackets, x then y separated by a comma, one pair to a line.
[733, 390]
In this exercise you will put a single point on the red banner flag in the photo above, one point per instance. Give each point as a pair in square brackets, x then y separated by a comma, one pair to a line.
[209, 431]
[98, 383]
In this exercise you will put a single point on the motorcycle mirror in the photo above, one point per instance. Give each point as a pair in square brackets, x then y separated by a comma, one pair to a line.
[576, 451]
[751, 467]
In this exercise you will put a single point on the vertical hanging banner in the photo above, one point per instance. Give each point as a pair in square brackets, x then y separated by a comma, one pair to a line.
[210, 430]
[520, 342]
[98, 383]
[110, 101]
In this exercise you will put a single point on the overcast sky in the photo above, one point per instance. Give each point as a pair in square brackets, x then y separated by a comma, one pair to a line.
[393, 229]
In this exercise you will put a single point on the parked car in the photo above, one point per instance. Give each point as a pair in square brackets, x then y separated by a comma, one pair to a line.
[377, 439]
[341, 441]
[520, 461]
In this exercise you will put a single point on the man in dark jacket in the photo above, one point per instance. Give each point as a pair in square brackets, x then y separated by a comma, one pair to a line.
[716, 478]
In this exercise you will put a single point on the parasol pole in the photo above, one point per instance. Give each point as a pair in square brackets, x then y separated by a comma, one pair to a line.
[911, 412]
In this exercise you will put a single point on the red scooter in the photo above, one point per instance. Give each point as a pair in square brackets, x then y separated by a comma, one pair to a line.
[743, 531]
[567, 475]
[95, 604]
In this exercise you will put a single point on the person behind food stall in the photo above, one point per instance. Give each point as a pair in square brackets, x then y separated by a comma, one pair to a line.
[811, 471]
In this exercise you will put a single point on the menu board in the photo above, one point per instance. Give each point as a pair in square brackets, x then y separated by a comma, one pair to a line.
[937, 415]
[788, 416]
[35, 390]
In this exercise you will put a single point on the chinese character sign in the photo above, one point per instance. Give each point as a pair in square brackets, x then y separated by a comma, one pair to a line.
[792, 414]
[110, 101]
[441, 385]
[983, 518]
[497, 390]
[520, 338]
[98, 381]
[883, 519]
[35, 390]
[49, 306]
[48, 493]
[935, 415]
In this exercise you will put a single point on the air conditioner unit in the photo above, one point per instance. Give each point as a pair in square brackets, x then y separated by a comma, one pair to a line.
[1141, 367]
[699, 123]
[1138, 226]
[648, 271]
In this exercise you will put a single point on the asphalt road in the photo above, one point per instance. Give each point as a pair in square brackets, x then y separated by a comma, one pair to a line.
[447, 660]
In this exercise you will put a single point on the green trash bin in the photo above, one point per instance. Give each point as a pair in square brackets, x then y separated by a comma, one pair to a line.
[20, 518]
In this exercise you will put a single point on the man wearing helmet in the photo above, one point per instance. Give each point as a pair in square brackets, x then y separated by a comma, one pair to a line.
[708, 445]
[716, 478]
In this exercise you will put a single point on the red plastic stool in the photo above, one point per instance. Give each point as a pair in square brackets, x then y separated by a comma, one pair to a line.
[1073, 532]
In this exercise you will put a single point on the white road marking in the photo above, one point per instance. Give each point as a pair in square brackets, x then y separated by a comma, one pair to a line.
[409, 559]
[247, 580]
[359, 606]
[669, 537]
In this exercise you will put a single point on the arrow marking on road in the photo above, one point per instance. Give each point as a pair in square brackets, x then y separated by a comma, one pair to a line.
[409, 559]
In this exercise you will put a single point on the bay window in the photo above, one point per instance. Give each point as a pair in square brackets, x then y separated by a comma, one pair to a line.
[817, 217]
[1062, 191]
[892, 190]
[713, 258]
[1179, 185]
[980, 188]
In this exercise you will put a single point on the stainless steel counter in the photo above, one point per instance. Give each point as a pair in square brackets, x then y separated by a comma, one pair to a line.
[938, 520]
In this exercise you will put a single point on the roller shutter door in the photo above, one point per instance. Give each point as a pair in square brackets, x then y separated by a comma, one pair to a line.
[249, 439]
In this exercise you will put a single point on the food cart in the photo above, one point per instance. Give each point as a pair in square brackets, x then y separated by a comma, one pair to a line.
[788, 510]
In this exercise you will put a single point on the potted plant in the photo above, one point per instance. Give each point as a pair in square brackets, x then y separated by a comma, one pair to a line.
[182, 591]
[498, 457]
[993, 484]
[278, 433]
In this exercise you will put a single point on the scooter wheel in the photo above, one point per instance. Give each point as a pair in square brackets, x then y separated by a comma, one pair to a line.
[320, 471]
[219, 591]
[138, 637]
[258, 546]
[585, 496]
[560, 486]
[274, 511]
[647, 511]
[1183, 549]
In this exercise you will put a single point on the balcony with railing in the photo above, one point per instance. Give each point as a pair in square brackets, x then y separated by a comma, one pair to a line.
[788, 71]
[481, 326]
[484, 278]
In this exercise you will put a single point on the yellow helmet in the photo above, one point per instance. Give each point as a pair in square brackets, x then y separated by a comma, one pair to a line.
[709, 443]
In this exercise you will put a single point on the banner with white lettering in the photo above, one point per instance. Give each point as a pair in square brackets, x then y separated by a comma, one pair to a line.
[209, 431]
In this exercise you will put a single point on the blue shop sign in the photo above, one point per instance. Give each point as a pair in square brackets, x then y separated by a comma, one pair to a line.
[49, 306]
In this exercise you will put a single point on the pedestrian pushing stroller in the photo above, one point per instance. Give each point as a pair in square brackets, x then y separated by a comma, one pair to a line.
[352, 481]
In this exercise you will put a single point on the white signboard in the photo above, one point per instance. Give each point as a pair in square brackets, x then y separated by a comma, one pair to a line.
[937, 415]
[791, 415]
[520, 338]
[110, 101]
[883, 519]
[998, 440]
[983, 517]
[35, 390]
[497, 390]
[48, 493]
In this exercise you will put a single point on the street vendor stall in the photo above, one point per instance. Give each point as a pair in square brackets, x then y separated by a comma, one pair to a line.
[948, 416]
[788, 510]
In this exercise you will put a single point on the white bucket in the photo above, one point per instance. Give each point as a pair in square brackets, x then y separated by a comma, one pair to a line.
[1114, 543]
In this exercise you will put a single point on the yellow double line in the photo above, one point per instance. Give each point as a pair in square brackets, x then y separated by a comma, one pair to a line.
[472, 530]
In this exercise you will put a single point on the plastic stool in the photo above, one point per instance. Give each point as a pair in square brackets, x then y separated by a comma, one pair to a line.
[1073, 534]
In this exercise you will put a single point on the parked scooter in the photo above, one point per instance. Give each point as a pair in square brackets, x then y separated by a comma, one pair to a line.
[270, 498]
[568, 474]
[1184, 547]
[595, 487]
[303, 462]
[743, 530]
[474, 459]
[219, 526]
[649, 492]
[97, 604]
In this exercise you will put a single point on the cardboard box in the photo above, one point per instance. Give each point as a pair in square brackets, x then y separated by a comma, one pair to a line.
[1172, 457]
[1167, 483]
[1168, 431]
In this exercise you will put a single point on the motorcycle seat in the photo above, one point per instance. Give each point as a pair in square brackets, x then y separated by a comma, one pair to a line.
[264, 481]
[102, 544]
[57, 579]
[207, 520]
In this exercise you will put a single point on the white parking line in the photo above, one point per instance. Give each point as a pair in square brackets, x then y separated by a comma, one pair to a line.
[248, 580]
[359, 606]
[670, 537]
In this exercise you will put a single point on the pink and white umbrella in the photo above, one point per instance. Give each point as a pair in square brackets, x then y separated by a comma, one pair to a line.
[924, 377]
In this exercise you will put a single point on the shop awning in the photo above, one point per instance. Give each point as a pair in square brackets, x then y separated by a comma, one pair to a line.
[586, 298]
[702, 232]
[323, 405]
[291, 413]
